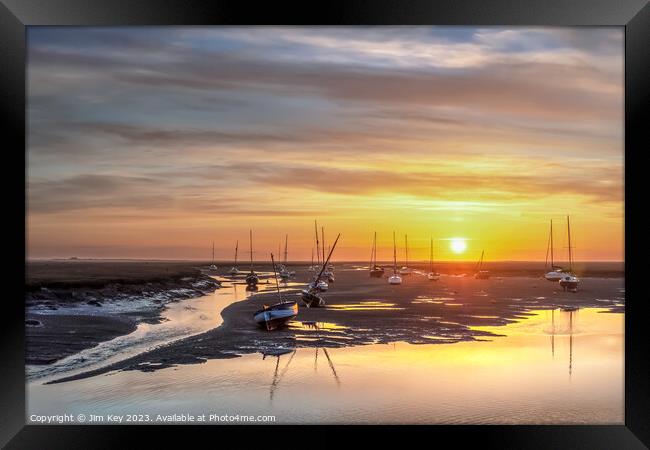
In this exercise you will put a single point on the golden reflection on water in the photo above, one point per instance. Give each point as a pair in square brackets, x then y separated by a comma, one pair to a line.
[551, 367]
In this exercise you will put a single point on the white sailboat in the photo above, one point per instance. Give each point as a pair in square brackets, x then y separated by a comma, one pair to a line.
[212, 267]
[394, 278]
[556, 273]
[569, 281]
[252, 278]
[234, 270]
[432, 275]
[283, 271]
[406, 270]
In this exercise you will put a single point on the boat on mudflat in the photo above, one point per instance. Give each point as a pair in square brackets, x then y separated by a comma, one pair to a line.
[278, 315]
[275, 316]
[375, 270]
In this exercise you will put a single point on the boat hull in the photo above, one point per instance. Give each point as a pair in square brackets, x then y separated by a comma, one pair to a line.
[312, 300]
[276, 316]
[377, 273]
[569, 283]
[252, 280]
[394, 279]
[482, 275]
[433, 276]
[554, 276]
[405, 271]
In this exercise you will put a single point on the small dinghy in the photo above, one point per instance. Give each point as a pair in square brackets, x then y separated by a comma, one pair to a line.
[278, 315]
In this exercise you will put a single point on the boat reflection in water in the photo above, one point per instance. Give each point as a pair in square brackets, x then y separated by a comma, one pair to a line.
[278, 374]
[513, 377]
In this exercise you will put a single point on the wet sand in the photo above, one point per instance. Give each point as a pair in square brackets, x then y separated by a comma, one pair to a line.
[362, 310]
[70, 305]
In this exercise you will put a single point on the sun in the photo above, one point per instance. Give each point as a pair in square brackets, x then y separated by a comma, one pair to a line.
[458, 245]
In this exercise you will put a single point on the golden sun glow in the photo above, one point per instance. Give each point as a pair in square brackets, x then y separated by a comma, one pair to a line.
[458, 245]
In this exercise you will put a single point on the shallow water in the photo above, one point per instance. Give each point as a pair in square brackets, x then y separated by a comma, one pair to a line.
[180, 319]
[551, 367]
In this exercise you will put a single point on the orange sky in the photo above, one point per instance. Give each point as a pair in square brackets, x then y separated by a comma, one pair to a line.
[154, 142]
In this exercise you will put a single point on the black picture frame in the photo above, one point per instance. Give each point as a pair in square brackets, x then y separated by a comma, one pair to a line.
[634, 15]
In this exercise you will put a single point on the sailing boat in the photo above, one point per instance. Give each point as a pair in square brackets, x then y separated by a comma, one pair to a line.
[556, 272]
[433, 276]
[251, 278]
[394, 278]
[328, 273]
[569, 281]
[310, 295]
[375, 270]
[312, 268]
[284, 273]
[212, 267]
[479, 273]
[278, 315]
[406, 270]
[234, 270]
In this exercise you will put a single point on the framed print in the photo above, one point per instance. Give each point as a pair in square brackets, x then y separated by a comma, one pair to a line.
[408, 218]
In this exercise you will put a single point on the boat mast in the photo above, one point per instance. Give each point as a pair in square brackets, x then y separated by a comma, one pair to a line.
[286, 239]
[236, 249]
[275, 275]
[251, 241]
[322, 235]
[373, 257]
[431, 257]
[479, 265]
[394, 255]
[317, 247]
[406, 244]
[552, 263]
[322, 269]
[568, 227]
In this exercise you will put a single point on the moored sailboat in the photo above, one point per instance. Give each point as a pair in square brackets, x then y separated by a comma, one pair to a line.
[432, 275]
[310, 295]
[480, 273]
[375, 270]
[569, 281]
[277, 315]
[212, 267]
[394, 278]
[252, 279]
[234, 270]
[556, 273]
[406, 270]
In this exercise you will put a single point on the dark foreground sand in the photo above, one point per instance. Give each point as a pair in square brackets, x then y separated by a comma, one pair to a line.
[55, 286]
[362, 310]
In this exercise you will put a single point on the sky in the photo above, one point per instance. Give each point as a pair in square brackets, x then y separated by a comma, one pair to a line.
[154, 142]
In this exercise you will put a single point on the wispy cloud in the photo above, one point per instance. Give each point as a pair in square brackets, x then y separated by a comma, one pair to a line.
[274, 121]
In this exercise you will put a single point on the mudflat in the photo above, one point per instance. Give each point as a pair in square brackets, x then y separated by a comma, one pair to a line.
[363, 310]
